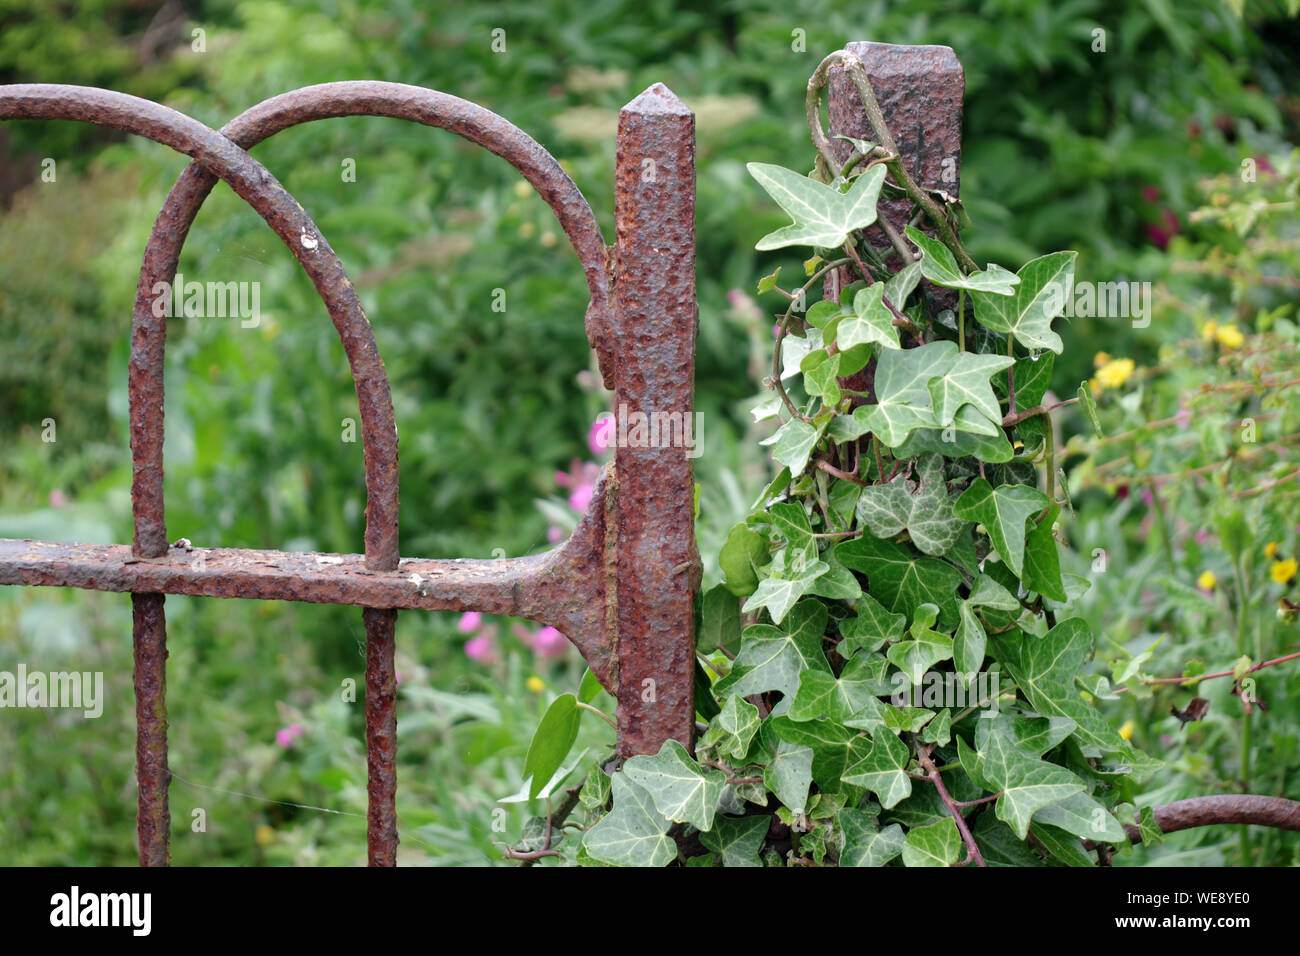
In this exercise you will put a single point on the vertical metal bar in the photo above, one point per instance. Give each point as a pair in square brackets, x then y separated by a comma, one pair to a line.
[655, 318]
[381, 736]
[153, 819]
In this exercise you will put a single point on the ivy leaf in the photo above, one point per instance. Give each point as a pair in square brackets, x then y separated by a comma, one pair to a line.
[779, 594]
[956, 442]
[744, 552]
[838, 583]
[939, 266]
[910, 719]
[901, 284]
[988, 593]
[870, 322]
[790, 521]
[733, 729]
[1044, 669]
[719, 625]
[772, 658]
[969, 642]
[886, 509]
[838, 698]
[1084, 817]
[595, 791]
[873, 627]
[823, 216]
[552, 741]
[634, 833]
[1003, 511]
[1027, 783]
[865, 844]
[822, 380]
[737, 840]
[793, 444]
[789, 775]
[938, 844]
[933, 524]
[967, 382]
[1060, 844]
[882, 769]
[681, 789]
[1043, 560]
[939, 730]
[1027, 314]
[901, 580]
[830, 744]
[923, 650]
[902, 395]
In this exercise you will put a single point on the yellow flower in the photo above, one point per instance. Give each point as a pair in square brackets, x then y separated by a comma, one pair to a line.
[1209, 330]
[1100, 359]
[1207, 581]
[1229, 336]
[1115, 373]
[1270, 549]
[1127, 730]
[264, 835]
[1283, 571]
[535, 684]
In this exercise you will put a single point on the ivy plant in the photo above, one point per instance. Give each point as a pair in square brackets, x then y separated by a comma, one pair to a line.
[891, 669]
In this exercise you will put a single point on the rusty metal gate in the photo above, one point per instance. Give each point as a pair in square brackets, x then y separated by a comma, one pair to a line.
[622, 587]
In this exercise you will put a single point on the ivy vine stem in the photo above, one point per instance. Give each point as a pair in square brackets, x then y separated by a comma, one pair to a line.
[784, 327]
[923, 758]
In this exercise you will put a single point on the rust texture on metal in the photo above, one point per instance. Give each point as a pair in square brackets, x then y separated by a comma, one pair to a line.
[256, 186]
[920, 91]
[564, 587]
[381, 736]
[1224, 808]
[655, 317]
[153, 820]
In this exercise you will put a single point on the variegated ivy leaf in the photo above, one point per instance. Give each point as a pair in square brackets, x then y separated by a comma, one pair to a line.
[939, 266]
[938, 844]
[968, 643]
[988, 593]
[901, 579]
[1044, 288]
[957, 440]
[870, 322]
[633, 833]
[901, 284]
[1027, 783]
[923, 649]
[1003, 511]
[881, 766]
[865, 844]
[733, 729]
[967, 382]
[823, 216]
[779, 592]
[772, 658]
[737, 839]
[902, 395]
[924, 510]
[789, 520]
[838, 698]
[822, 380]
[793, 444]
[872, 628]
[681, 789]
[796, 348]
[1083, 816]
[789, 774]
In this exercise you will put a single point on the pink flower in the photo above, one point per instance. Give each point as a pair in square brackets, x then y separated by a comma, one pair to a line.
[1203, 536]
[549, 642]
[1147, 498]
[480, 649]
[776, 330]
[283, 737]
[554, 535]
[1150, 193]
[470, 622]
[581, 497]
[600, 438]
[742, 305]
[57, 498]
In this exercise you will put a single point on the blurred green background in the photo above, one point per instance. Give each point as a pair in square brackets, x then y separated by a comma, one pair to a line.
[1065, 146]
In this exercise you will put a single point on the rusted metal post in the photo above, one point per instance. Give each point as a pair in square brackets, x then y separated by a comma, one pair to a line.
[920, 91]
[153, 816]
[655, 319]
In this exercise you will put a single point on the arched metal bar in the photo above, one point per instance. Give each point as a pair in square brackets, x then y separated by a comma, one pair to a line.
[327, 100]
[253, 183]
